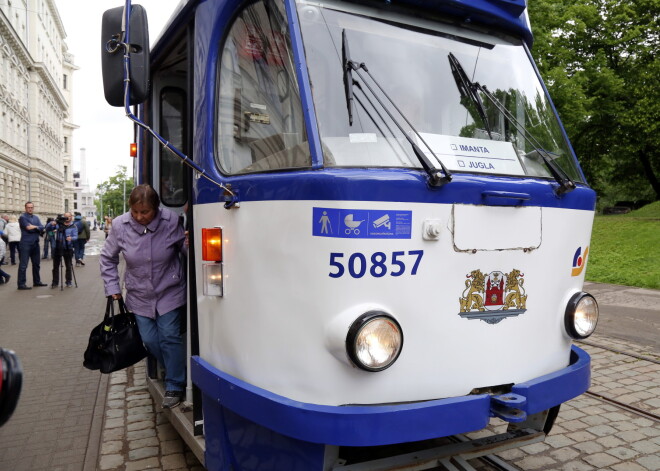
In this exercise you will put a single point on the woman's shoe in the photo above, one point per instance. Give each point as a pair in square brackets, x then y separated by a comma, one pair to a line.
[173, 399]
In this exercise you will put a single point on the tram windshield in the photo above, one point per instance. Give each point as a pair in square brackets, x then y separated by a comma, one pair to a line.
[510, 129]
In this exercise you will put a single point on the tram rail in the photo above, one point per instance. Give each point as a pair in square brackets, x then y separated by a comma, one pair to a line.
[622, 405]
[621, 352]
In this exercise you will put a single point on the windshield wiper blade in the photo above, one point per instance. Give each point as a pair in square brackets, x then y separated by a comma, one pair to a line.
[467, 90]
[347, 65]
[437, 177]
[565, 183]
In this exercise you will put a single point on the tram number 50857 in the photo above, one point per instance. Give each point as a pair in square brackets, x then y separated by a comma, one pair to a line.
[378, 265]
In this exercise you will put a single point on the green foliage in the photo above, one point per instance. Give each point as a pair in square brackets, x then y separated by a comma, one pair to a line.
[625, 249]
[115, 192]
[600, 60]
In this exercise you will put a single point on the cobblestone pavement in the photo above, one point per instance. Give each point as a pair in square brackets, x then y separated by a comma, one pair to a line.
[591, 434]
[136, 435]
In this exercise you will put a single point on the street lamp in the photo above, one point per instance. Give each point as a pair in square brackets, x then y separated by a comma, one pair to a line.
[101, 191]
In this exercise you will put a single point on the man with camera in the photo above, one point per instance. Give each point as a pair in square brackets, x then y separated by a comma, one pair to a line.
[66, 233]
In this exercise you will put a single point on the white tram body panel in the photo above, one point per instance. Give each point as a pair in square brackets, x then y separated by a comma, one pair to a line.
[282, 322]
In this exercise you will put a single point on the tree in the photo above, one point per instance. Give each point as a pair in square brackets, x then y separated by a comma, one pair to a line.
[115, 193]
[601, 60]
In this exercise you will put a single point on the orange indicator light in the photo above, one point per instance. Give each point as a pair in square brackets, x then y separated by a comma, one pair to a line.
[133, 149]
[212, 244]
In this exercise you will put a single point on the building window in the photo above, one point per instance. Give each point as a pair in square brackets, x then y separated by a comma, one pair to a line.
[64, 82]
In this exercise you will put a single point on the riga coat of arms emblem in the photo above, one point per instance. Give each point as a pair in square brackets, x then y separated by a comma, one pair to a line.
[494, 296]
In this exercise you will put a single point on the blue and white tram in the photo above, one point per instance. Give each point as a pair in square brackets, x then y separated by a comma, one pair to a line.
[390, 225]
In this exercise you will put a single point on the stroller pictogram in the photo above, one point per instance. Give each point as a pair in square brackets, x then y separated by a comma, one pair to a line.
[352, 226]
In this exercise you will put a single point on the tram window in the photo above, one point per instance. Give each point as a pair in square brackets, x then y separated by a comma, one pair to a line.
[172, 180]
[260, 124]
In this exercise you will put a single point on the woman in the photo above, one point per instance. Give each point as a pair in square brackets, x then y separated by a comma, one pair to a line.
[151, 240]
[4, 276]
[13, 231]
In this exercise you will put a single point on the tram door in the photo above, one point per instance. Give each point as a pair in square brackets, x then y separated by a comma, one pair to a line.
[171, 117]
[169, 112]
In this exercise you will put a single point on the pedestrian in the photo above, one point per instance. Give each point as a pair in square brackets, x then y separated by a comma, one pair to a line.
[4, 276]
[108, 226]
[49, 237]
[83, 236]
[13, 231]
[151, 240]
[28, 247]
[66, 234]
[3, 235]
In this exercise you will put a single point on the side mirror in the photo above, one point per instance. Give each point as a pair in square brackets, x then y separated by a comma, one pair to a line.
[112, 55]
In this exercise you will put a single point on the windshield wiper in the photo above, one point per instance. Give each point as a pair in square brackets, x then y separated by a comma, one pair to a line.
[438, 177]
[468, 90]
[348, 76]
[565, 183]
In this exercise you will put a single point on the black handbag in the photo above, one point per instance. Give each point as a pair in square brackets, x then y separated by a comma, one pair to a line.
[115, 343]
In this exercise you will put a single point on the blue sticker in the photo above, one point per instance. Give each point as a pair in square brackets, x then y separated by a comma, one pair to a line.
[361, 223]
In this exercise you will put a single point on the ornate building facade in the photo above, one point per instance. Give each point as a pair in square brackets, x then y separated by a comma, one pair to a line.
[36, 127]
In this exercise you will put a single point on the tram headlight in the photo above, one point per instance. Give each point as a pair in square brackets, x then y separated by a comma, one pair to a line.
[581, 316]
[374, 341]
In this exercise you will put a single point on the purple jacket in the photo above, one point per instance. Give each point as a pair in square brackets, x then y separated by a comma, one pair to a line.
[153, 277]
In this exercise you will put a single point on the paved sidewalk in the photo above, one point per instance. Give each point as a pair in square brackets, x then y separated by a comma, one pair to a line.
[58, 421]
[136, 433]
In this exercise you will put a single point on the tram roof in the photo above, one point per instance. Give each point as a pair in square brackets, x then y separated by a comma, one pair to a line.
[505, 15]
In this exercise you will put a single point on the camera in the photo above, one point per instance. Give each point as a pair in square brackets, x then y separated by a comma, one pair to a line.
[11, 379]
[61, 219]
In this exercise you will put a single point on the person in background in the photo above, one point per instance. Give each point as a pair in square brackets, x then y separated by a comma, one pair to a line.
[4, 276]
[66, 234]
[13, 231]
[28, 247]
[83, 237]
[3, 235]
[107, 226]
[151, 240]
[49, 237]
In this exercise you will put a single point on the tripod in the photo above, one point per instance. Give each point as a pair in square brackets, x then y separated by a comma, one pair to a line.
[63, 255]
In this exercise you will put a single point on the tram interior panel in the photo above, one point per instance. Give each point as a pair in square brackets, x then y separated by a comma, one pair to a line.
[260, 119]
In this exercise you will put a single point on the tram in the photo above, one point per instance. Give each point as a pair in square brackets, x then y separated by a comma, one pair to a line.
[389, 227]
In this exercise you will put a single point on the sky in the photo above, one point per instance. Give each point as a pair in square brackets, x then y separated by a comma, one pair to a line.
[104, 131]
